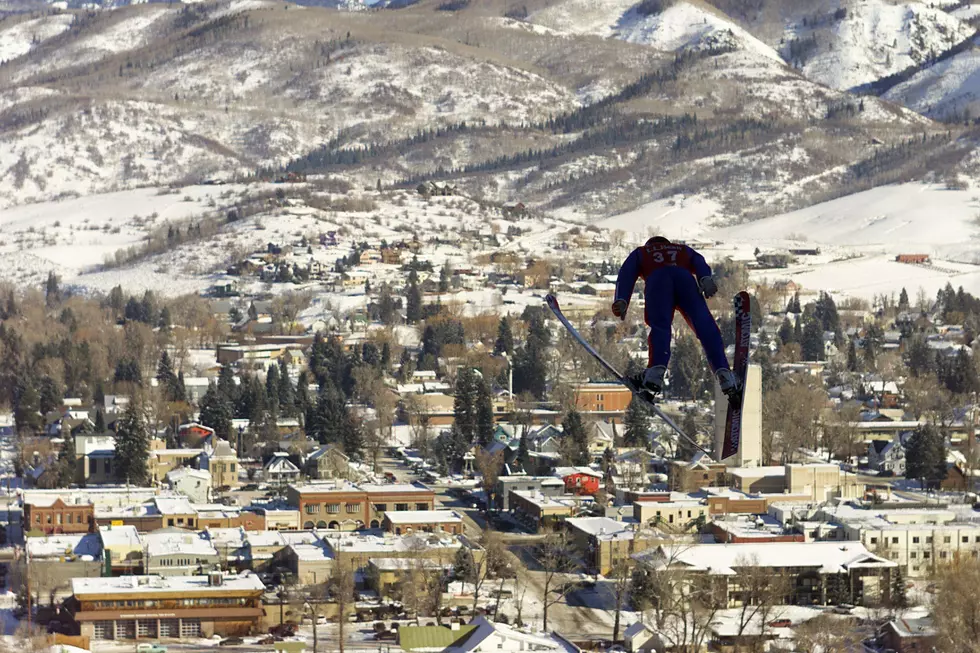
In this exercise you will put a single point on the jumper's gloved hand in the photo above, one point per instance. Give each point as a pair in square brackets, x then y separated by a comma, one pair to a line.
[708, 287]
[619, 308]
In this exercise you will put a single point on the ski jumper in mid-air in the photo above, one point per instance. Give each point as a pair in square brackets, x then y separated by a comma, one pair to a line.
[677, 277]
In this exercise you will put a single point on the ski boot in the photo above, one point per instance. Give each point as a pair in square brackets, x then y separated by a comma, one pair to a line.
[650, 380]
[730, 385]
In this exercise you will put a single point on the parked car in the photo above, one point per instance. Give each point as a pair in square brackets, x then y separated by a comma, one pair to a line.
[386, 635]
[150, 648]
[231, 641]
[780, 623]
[284, 630]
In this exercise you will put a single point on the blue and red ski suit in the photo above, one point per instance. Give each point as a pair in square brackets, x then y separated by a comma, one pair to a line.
[671, 271]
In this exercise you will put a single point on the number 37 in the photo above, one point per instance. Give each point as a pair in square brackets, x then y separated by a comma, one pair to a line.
[659, 256]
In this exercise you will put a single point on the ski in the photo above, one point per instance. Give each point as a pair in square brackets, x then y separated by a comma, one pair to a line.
[642, 395]
[740, 365]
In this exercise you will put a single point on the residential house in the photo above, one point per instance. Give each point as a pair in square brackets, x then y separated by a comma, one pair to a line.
[688, 476]
[94, 456]
[328, 462]
[887, 457]
[430, 638]
[579, 480]
[491, 637]
[908, 635]
[279, 469]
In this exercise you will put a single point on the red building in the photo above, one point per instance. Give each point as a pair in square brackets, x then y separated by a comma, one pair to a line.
[912, 258]
[55, 516]
[579, 480]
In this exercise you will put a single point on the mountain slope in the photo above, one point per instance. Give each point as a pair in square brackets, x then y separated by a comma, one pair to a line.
[949, 89]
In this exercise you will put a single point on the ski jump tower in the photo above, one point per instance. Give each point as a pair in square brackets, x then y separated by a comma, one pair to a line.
[749, 452]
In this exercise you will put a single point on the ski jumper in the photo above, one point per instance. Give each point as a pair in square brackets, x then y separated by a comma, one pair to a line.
[670, 271]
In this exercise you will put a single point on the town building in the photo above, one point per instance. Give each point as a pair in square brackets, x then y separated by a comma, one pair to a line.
[52, 562]
[344, 506]
[545, 485]
[674, 516]
[606, 545]
[908, 635]
[688, 476]
[536, 511]
[51, 513]
[179, 554]
[579, 480]
[195, 484]
[425, 521]
[156, 607]
[818, 573]
[122, 550]
[612, 398]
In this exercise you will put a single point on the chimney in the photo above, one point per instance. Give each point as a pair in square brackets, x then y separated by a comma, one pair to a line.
[454, 625]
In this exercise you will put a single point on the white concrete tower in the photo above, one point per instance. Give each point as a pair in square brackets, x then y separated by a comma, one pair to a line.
[749, 452]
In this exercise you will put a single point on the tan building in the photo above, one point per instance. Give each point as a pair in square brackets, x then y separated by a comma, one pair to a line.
[601, 397]
[673, 516]
[538, 511]
[163, 460]
[340, 505]
[425, 521]
[817, 481]
[606, 544]
[387, 576]
[689, 476]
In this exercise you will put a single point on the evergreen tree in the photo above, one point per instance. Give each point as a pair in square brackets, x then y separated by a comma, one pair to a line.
[303, 399]
[272, 390]
[685, 450]
[919, 357]
[287, 397]
[962, 377]
[798, 330]
[66, 461]
[812, 348]
[794, 305]
[52, 290]
[352, 437]
[925, 455]
[636, 424]
[898, 595]
[445, 275]
[385, 356]
[180, 390]
[216, 412]
[413, 298]
[872, 345]
[27, 416]
[852, 357]
[505, 338]
[825, 311]
[329, 418]
[523, 455]
[132, 446]
[786, 332]
[484, 413]
[227, 386]
[165, 320]
[576, 439]
[49, 395]
[465, 403]
[903, 301]
[169, 382]
[128, 371]
[688, 369]
[530, 361]
[387, 306]
[99, 422]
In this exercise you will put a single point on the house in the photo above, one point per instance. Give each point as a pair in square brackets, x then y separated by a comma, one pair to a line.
[195, 484]
[94, 456]
[429, 638]
[887, 456]
[50, 514]
[491, 637]
[912, 258]
[908, 635]
[546, 485]
[220, 459]
[640, 638]
[328, 462]
[279, 469]
[192, 435]
[700, 471]
[580, 480]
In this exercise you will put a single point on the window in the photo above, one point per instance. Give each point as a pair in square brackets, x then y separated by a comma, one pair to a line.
[874, 540]
[58, 518]
[108, 467]
[170, 521]
[929, 540]
[894, 540]
[915, 540]
[71, 517]
[312, 508]
[102, 630]
[333, 508]
[232, 467]
[966, 539]
[942, 554]
[399, 507]
[421, 506]
[49, 517]
[913, 555]
[894, 555]
[926, 555]
[381, 507]
[947, 539]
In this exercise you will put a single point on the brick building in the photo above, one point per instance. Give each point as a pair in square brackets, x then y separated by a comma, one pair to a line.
[426, 521]
[345, 506]
[52, 514]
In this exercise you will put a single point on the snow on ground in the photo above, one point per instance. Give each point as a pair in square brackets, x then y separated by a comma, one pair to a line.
[942, 89]
[74, 235]
[679, 217]
[864, 232]
[875, 39]
[685, 26]
[681, 26]
[128, 32]
[21, 38]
